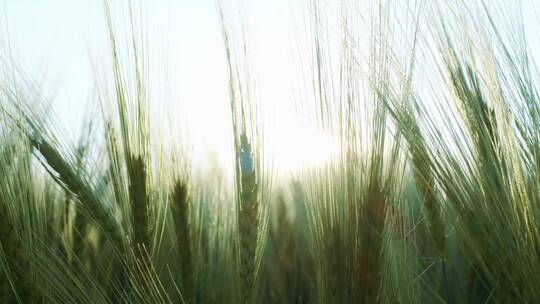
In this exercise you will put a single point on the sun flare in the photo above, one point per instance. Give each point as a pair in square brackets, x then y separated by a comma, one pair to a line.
[293, 146]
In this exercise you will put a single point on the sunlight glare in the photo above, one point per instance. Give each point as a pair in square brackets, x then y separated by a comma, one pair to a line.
[293, 146]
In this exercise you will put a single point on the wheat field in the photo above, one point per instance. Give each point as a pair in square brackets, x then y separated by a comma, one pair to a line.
[421, 185]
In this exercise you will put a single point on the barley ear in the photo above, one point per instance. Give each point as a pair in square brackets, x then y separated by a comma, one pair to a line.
[248, 219]
[424, 180]
[180, 210]
[67, 177]
[138, 194]
[17, 258]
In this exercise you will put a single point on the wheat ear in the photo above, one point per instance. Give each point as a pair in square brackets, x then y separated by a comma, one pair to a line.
[138, 194]
[15, 254]
[248, 219]
[180, 210]
[74, 183]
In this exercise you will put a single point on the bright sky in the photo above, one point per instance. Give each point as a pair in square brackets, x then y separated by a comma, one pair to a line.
[57, 40]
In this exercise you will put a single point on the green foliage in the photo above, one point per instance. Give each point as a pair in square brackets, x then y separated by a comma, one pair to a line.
[432, 198]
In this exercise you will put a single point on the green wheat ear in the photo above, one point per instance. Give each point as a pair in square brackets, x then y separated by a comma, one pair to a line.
[425, 184]
[180, 206]
[72, 182]
[248, 219]
[17, 258]
[15, 196]
[138, 194]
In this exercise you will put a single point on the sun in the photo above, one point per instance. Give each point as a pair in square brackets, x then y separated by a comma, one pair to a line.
[293, 146]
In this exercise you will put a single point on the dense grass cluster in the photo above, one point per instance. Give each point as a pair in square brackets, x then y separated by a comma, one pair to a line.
[433, 198]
